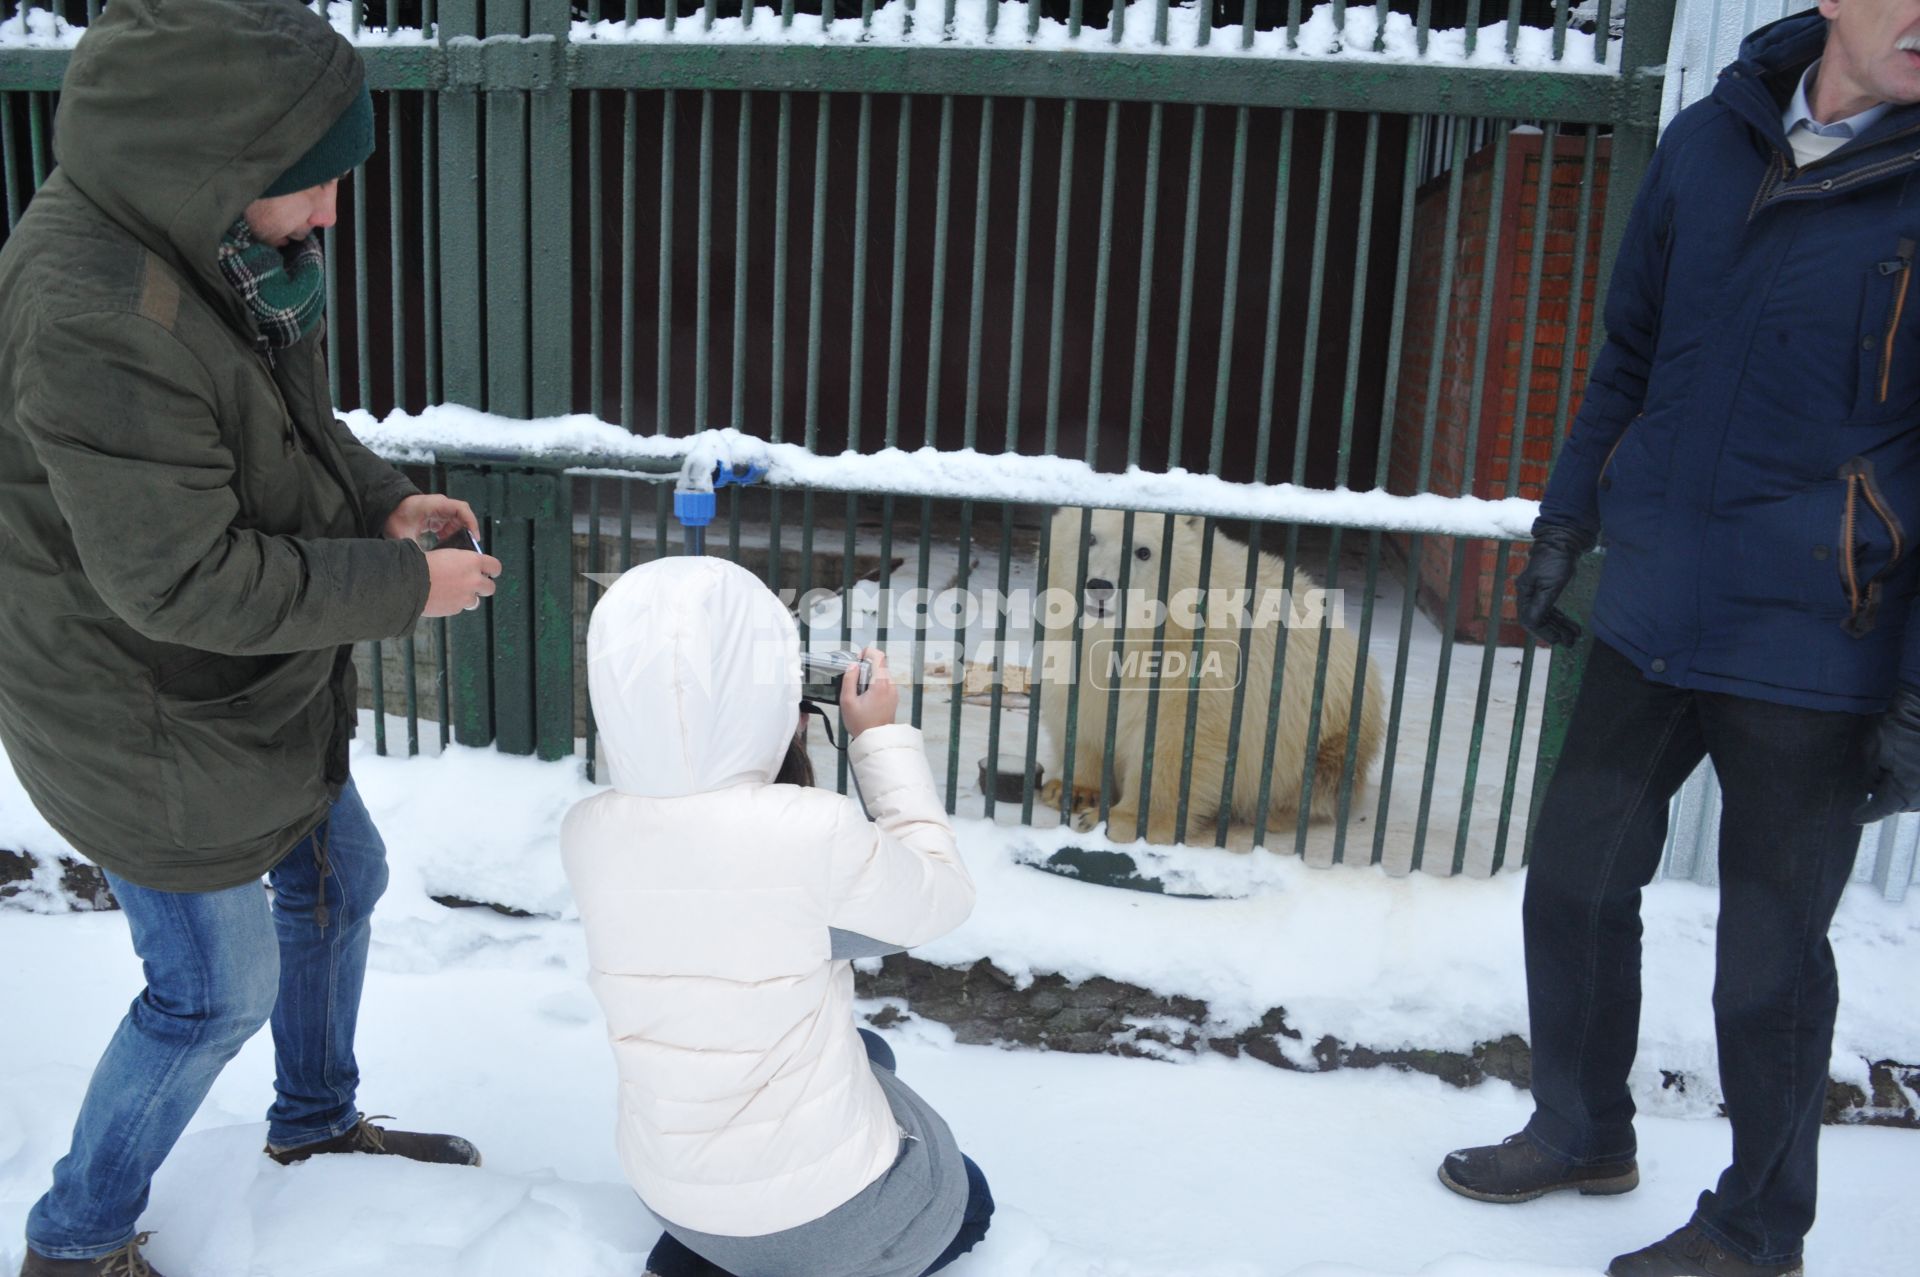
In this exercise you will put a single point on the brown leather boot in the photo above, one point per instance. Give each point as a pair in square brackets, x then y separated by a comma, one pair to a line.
[125, 1262]
[365, 1137]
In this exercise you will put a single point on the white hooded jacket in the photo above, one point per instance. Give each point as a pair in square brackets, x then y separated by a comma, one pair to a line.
[747, 1103]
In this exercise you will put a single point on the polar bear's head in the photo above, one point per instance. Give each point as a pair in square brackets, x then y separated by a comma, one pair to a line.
[1117, 554]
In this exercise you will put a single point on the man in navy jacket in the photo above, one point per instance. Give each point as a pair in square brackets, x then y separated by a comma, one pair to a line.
[1748, 445]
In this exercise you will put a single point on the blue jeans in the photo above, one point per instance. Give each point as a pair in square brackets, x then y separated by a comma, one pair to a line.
[218, 965]
[1790, 778]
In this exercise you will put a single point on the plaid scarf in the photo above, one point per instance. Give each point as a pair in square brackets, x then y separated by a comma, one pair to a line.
[283, 288]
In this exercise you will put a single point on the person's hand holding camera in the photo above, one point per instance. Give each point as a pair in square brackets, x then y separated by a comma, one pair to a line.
[874, 707]
[460, 575]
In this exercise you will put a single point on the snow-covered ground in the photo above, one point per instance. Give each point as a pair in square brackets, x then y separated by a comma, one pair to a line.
[1113, 1167]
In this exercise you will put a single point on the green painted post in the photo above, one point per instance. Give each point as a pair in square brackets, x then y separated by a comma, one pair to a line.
[469, 650]
[506, 220]
[551, 149]
[546, 500]
[513, 613]
[462, 335]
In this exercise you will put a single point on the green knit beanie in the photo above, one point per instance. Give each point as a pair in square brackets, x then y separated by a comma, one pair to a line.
[345, 147]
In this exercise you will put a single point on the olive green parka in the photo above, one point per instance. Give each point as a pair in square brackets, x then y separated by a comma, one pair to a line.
[189, 540]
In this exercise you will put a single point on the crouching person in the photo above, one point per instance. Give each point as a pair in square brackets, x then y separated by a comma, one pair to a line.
[723, 900]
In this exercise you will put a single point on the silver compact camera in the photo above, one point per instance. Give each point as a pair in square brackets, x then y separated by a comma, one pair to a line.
[821, 672]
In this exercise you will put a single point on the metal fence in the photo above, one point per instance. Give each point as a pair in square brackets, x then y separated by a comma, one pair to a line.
[1252, 241]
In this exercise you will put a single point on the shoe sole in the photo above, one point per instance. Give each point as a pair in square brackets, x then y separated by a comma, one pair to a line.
[1612, 1186]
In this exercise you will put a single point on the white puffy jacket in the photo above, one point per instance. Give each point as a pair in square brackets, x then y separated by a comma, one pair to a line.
[747, 1104]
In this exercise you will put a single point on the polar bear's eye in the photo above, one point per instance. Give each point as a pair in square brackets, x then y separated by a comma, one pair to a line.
[1143, 552]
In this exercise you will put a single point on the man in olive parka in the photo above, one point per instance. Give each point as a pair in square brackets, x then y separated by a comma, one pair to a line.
[189, 543]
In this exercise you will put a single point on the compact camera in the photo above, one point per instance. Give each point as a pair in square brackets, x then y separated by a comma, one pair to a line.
[821, 672]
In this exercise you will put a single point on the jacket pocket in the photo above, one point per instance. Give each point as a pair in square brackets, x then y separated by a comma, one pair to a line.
[1887, 384]
[1872, 543]
[245, 760]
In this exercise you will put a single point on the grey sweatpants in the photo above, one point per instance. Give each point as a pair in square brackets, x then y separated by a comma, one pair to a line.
[894, 1227]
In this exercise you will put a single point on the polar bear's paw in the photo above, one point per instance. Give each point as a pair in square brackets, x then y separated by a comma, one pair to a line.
[1085, 798]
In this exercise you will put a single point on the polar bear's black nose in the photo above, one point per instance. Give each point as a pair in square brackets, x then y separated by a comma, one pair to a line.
[1099, 586]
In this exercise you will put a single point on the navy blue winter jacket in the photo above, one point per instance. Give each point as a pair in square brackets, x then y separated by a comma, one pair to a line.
[1747, 445]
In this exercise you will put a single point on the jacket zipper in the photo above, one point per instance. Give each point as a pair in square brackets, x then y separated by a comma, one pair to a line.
[1775, 177]
[1863, 601]
[1902, 265]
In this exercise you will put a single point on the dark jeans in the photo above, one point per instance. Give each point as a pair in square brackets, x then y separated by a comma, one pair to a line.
[1789, 778]
[219, 964]
[671, 1259]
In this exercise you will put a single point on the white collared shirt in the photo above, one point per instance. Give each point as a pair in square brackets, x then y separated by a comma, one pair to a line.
[1810, 139]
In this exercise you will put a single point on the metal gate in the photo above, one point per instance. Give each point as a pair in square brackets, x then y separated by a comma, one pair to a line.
[1342, 259]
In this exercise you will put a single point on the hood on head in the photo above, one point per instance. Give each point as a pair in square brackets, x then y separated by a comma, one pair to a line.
[176, 114]
[1784, 44]
[693, 667]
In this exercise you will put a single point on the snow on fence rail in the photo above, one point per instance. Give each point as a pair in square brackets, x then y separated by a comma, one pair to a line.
[1356, 32]
[582, 443]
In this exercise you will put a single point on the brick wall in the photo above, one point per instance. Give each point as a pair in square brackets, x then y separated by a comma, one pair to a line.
[1450, 468]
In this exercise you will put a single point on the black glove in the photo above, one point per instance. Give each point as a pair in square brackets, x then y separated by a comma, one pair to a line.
[1550, 563]
[1893, 761]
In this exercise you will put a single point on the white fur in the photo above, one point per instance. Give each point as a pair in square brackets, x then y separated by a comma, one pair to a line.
[1258, 628]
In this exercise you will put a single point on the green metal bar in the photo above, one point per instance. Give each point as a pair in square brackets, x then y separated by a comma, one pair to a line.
[1423, 25]
[1269, 365]
[1207, 530]
[1560, 8]
[430, 248]
[1102, 279]
[703, 297]
[1036, 683]
[1318, 701]
[846, 610]
[1472, 26]
[1183, 340]
[1062, 238]
[1017, 336]
[10, 162]
[1238, 717]
[1230, 296]
[550, 204]
[1442, 676]
[551, 519]
[629, 262]
[956, 697]
[920, 631]
[1115, 656]
[663, 355]
[397, 254]
[596, 264]
[1316, 294]
[1503, 831]
[39, 115]
[362, 307]
[976, 328]
[937, 321]
[377, 663]
[1143, 314]
[742, 219]
[1071, 731]
[594, 591]
[823, 122]
[999, 664]
[331, 272]
[897, 305]
[862, 203]
[782, 218]
[1152, 729]
[1513, 26]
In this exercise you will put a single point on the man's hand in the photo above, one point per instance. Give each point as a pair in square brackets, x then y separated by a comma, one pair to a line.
[430, 512]
[1893, 762]
[1550, 563]
[459, 580]
[874, 707]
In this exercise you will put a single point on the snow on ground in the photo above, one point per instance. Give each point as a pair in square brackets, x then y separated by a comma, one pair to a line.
[1105, 1167]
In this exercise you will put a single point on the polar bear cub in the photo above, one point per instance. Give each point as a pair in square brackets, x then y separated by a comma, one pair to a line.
[1239, 636]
